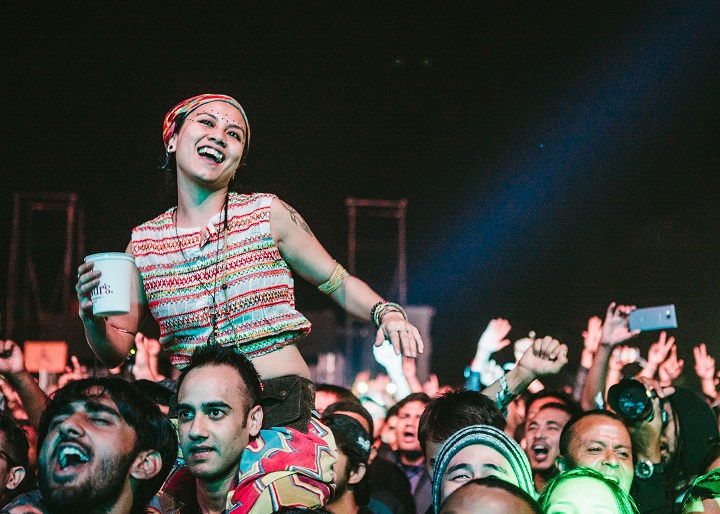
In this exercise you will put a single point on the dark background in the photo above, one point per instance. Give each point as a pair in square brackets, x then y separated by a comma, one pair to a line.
[556, 155]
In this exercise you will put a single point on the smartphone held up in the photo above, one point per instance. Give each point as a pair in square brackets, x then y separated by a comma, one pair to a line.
[653, 318]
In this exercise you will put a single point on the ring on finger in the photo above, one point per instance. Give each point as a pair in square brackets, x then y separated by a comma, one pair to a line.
[397, 330]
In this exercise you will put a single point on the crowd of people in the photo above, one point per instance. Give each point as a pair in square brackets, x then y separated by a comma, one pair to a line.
[238, 426]
[195, 442]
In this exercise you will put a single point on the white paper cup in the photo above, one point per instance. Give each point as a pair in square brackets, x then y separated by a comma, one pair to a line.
[112, 296]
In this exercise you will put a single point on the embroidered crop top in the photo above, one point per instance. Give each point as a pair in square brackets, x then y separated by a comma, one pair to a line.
[255, 313]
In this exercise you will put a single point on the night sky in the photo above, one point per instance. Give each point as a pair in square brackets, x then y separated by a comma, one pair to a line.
[555, 155]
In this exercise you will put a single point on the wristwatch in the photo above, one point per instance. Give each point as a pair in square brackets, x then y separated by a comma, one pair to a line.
[644, 469]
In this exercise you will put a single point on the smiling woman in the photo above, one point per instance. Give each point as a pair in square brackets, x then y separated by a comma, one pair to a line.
[217, 269]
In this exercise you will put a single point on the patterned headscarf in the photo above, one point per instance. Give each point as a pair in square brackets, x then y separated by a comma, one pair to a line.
[483, 435]
[185, 107]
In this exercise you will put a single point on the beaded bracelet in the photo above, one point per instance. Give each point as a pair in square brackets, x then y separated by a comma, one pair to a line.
[332, 284]
[373, 312]
[380, 309]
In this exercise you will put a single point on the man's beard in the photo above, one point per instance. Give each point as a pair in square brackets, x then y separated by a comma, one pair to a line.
[98, 492]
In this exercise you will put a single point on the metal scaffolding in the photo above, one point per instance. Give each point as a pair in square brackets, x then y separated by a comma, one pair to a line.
[382, 241]
[46, 241]
[377, 253]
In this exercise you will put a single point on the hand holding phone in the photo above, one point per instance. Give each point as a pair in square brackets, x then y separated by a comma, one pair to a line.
[653, 318]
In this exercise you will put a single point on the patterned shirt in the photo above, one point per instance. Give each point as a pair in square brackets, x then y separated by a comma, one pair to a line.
[240, 267]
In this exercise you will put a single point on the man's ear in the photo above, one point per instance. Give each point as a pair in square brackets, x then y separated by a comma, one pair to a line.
[254, 420]
[146, 465]
[17, 474]
[358, 474]
[560, 463]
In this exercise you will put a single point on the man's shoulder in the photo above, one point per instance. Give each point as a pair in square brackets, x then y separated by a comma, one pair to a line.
[177, 493]
[28, 503]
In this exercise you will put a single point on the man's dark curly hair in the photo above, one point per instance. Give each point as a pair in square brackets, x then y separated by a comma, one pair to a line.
[154, 431]
[455, 410]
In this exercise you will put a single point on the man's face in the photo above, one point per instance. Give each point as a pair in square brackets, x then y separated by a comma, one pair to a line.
[472, 462]
[8, 469]
[542, 435]
[86, 456]
[473, 498]
[215, 421]
[342, 473]
[389, 432]
[603, 444]
[323, 399]
[582, 495]
[431, 451]
[407, 426]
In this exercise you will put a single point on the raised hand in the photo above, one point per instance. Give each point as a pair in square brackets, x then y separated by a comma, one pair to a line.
[671, 368]
[659, 351]
[622, 356]
[88, 279]
[646, 436]
[432, 386]
[409, 369]
[12, 365]
[593, 334]
[142, 368]
[72, 373]
[493, 339]
[153, 346]
[615, 330]
[11, 358]
[704, 363]
[393, 363]
[521, 345]
[546, 356]
[490, 372]
[402, 335]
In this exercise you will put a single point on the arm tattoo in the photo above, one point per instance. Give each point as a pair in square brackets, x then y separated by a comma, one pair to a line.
[297, 219]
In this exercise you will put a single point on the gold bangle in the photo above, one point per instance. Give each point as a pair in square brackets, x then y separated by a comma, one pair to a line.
[333, 283]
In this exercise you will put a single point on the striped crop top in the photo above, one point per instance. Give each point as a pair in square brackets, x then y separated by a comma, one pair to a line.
[255, 313]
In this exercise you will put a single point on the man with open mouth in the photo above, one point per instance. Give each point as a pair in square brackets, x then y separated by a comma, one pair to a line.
[104, 448]
[409, 456]
[542, 441]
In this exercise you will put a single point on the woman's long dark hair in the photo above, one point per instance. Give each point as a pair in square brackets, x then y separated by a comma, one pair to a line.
[695, 427]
